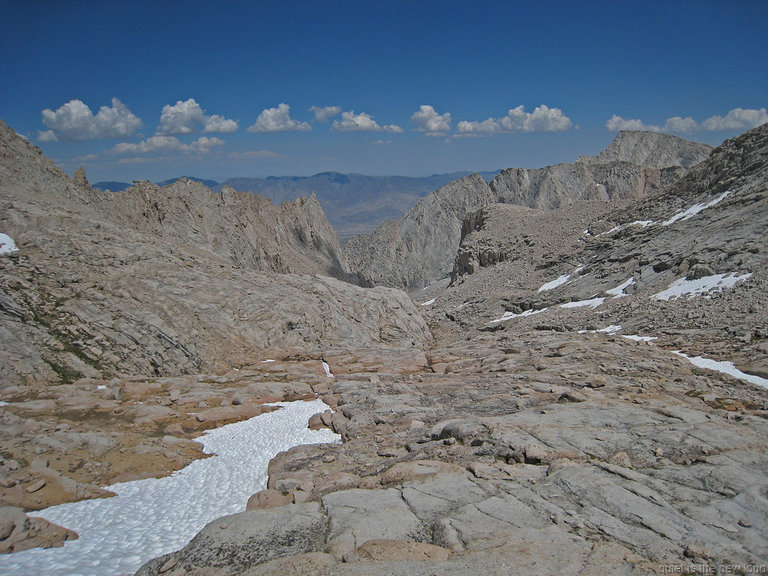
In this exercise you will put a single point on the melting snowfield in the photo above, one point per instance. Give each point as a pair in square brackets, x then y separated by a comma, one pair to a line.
[724, 367]
[691, 288]
[151, 517]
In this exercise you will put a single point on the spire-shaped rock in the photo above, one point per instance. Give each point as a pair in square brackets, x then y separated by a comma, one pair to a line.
[80, 178]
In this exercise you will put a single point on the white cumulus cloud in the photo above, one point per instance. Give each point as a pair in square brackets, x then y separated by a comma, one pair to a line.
[426, 119]
[168, 144]
[680, 124]
[184, 117]
[75, 121]
[277, 120]
[736, 119]
[351, 122]
[619, 123]
[325, 113]
[542, 119]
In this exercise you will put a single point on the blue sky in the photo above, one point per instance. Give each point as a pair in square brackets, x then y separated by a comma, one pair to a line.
[152, 90]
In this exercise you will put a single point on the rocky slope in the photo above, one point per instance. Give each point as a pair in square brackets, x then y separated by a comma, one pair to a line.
[536, 438]
[247, 230]
[170, 280]
[411, 253]
[119, 314]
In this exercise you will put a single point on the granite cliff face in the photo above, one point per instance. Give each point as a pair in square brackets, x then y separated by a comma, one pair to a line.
[411, 253]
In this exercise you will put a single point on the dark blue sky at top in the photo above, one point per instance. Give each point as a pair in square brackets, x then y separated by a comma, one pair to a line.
[642, 61]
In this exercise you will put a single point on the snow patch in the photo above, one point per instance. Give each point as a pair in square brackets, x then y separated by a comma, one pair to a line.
[327, 369]
[642, 223]
[618, 292]
[724, 367]
[691, 288]
[267, 361]
[637, 338]
[555, 283]
[3, 403]
[155, 516]
[612, 329]
[7, 245]
[509, 315]
[429, 302]
[695, 209]
[592, 303]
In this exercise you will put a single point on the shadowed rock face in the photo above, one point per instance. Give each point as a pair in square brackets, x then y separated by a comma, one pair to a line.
[411, 253]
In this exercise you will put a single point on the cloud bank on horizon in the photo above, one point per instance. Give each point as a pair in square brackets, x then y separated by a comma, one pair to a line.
[735, 119]
[75, 121]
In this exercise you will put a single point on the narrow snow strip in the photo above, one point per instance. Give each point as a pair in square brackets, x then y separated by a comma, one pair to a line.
[612, 329]
[691, 288]
[3, 403]
[695, 209]
[642, 223]
[592, 303]
[155, 516]
[429, 302]
[555, 283]
[724, 367]
[327, 369]
[7, 245]
[509, 315]
[618, 292]
[639, 338]
[611, 231]
[267, 361]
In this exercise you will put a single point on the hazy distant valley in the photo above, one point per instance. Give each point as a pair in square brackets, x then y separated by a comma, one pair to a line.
[353, 203]
[548, 370]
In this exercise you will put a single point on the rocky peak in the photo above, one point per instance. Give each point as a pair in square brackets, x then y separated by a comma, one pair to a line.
[652, 149]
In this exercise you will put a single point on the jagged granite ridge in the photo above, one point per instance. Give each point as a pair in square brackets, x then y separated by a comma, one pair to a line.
[387, 256]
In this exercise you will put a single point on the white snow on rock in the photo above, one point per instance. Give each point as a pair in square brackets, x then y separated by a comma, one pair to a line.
[3, 403]
[509, 315]
[592, 303]
[637, 338]
[612, 329]
[691, 288]
[327, 369]
[429, 302]
[695, 209]
[555, 283]
[642, 223]
[618, 292]
[725, 367]
[7, 245]
[611, 231]
[155, 516]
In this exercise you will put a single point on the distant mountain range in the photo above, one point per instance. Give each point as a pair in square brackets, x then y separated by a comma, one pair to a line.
[354, 203]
